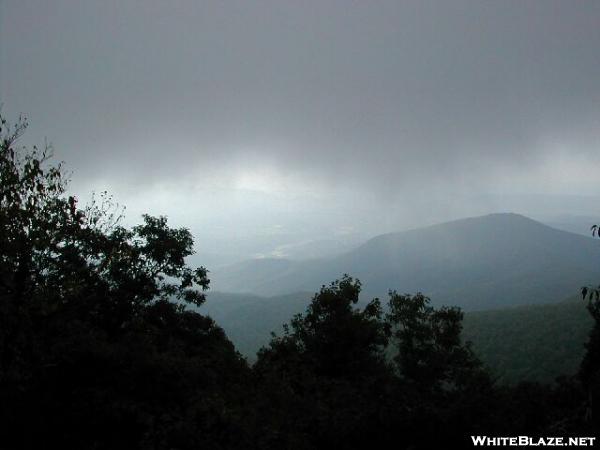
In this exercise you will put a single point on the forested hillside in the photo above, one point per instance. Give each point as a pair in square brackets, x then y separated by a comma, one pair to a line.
[534, 343]
[104, 344]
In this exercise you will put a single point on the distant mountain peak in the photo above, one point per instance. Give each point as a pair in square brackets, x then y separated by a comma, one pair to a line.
[480, 262]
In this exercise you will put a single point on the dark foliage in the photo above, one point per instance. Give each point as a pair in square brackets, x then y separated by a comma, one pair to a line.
[98, 349]
[530, 343]
[94, 352]
[589, 372]
[331, 369]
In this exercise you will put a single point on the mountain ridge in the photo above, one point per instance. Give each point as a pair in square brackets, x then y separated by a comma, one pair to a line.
[483, 262]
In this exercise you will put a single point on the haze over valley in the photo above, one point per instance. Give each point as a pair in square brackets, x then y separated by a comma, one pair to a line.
[304, 225]
[475, 263]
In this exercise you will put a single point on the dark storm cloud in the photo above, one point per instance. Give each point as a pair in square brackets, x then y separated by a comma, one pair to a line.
[377, 94]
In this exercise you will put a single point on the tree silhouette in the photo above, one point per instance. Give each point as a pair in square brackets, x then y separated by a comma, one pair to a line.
[100, 347]
[331, 366]
[431, 354]
[589, 371]
[97, 348]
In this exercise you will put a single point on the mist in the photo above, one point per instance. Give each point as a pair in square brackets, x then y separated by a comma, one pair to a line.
[268, 127]
[299, 225]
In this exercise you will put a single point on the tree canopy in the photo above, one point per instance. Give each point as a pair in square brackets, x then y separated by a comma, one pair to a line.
[101, 346]
[97, 346]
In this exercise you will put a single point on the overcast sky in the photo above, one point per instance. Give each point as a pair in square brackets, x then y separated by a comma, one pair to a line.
[301, 119]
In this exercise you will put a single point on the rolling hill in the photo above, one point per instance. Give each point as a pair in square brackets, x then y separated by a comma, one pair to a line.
[477, 263]
[533, 343]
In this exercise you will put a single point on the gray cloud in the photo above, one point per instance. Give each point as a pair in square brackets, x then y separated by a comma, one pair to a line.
[400, 99]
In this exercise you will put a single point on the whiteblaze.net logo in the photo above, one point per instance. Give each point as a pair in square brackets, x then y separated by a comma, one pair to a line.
[527, 441]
